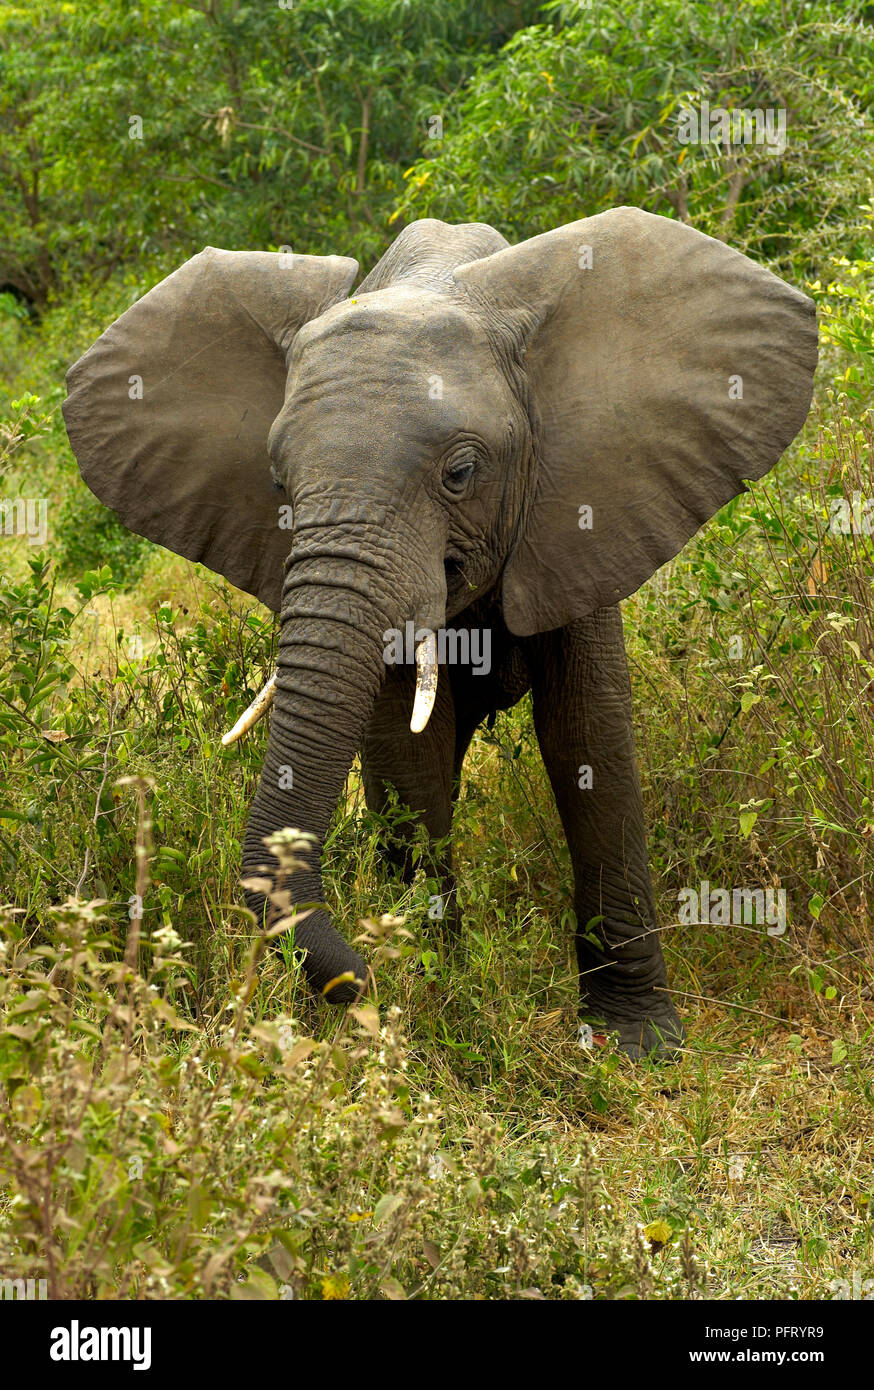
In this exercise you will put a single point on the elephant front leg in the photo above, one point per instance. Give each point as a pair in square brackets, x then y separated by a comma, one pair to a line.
[582, 715]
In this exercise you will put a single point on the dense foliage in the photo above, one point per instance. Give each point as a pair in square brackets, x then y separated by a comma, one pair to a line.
[241, 125]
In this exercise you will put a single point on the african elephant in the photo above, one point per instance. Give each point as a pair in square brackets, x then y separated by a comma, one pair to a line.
[510, 439]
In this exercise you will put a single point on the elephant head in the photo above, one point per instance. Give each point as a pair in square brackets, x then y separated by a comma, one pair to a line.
[548, 422]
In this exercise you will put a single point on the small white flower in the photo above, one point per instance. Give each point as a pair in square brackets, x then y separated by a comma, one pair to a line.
[166, 938]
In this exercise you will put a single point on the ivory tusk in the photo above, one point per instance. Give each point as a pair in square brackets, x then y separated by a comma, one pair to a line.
[258, 708]
[426, 683]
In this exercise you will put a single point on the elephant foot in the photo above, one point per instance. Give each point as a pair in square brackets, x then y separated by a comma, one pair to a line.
[347, 991]
[395, 860]
[646, 1027]
[327, 957]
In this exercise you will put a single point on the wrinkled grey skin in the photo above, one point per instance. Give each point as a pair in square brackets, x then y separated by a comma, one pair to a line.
[415, 506]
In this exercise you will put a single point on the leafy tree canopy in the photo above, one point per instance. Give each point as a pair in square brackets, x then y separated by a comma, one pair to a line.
[135, 132]
[592, 110]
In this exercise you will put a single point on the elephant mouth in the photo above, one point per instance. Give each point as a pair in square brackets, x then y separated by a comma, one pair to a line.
[457, 567]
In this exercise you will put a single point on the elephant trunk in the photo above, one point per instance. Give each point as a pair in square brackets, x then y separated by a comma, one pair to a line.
[336, 608]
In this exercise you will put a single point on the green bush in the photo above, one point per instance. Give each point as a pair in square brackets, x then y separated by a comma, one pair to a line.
[90, 536]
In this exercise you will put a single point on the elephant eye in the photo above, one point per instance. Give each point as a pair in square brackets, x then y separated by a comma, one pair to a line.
[458, 471]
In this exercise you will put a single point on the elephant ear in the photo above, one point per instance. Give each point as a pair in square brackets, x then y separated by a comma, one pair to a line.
[169, 412]
[664, 369]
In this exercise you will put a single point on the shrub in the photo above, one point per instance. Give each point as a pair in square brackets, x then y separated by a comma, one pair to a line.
[92, 536]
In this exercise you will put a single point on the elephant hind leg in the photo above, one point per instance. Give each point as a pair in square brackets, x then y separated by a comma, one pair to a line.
[420, 768]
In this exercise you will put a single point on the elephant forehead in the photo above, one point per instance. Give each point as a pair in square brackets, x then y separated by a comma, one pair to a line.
[411, 360]
[401, 312]
[391, 336]
[369, 418]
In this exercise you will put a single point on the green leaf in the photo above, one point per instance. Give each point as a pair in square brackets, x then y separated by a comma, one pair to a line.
[386, 1207]
[747, 821]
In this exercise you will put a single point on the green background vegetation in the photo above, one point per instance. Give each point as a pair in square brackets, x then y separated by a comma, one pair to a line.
[200, 1125]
